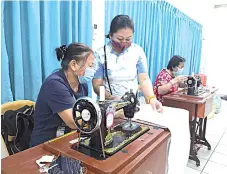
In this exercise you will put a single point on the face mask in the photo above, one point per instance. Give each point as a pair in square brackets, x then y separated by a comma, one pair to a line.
[87, 77]
[121, 45]
[178, 72]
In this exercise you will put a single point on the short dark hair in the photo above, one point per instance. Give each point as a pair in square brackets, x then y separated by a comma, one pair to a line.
[120, 22]
[75, 51]
[174, 62]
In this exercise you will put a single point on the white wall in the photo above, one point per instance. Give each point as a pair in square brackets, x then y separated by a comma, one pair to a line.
[195, 9]
[214, 51]
[98, 17]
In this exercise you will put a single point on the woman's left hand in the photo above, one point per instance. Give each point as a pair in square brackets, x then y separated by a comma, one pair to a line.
[156, 105]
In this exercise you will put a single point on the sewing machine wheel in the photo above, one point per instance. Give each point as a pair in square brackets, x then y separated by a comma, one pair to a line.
[191, 82]
[87, 115]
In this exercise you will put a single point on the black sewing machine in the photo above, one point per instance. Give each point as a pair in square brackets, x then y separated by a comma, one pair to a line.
[193, 84]
[95, 122]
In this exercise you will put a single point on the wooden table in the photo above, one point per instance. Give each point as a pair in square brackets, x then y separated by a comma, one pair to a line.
[143, 156]
[198, 107]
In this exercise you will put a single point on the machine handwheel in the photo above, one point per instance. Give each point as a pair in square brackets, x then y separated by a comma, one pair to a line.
[87, 115]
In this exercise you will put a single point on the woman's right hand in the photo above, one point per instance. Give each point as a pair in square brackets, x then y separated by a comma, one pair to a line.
[180, 79]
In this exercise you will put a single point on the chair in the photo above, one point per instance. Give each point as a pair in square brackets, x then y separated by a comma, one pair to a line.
[12, 106]
[15, 105]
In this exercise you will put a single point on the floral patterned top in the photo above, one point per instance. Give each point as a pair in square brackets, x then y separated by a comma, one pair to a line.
[163, 78]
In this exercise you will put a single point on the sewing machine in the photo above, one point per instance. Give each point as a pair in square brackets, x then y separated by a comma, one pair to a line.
[193, 86]
[100, 139]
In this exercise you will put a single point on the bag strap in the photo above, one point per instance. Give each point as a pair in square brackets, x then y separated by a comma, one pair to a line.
[105, 68]
[28, 111]
[4, 130]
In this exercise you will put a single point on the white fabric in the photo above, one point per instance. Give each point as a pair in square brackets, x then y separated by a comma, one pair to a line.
[177, 120]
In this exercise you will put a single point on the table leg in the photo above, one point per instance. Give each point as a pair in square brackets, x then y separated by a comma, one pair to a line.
[193, 138]
[202, 133]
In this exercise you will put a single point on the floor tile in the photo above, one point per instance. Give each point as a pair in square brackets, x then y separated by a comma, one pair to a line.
[204, 153]
[221, 149]
[219, 158]
[191, 171]
[224, 139]
[213, 140]
[223, 142]
[192, 164]
[212, 168]
[218, 132]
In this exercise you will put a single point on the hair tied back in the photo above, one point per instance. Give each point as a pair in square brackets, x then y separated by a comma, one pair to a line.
[63, 49]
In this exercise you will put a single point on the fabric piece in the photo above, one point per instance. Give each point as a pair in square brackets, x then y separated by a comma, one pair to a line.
[177, 120]
[66, 165]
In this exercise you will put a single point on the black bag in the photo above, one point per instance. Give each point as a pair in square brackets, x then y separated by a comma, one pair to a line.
[17, 127]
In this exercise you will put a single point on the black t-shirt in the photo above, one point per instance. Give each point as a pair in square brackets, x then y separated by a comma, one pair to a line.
[55, 96]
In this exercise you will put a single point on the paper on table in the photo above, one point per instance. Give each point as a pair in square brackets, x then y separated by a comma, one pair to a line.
[76, 140]
[45, 159]
[177, 120]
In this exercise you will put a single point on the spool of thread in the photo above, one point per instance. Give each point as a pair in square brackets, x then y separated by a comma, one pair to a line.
[102, 93]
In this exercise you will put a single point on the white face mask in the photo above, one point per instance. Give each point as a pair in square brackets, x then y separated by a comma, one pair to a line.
[178, 72]
[87, 77]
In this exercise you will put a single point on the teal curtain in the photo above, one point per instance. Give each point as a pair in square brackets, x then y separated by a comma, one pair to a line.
[162, 31]
[31, 30]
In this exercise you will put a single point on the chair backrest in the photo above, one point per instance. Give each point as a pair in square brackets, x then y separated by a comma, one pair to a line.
[4, 151]
[12, 106]
[15, 105]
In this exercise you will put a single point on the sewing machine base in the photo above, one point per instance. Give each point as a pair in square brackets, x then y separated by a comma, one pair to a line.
[200, 92]
[120, 139]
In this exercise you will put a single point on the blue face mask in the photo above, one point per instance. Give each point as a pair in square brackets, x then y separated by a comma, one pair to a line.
[178, 72]
[87, 77]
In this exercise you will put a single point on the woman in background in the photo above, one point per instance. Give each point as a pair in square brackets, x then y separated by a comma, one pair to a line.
[169, 79]
[53, 112]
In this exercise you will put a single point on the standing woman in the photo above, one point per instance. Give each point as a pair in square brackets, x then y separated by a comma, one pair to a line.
[121, 64]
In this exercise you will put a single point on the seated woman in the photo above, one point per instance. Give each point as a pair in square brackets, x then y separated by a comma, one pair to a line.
[53, 111]
[168, 80]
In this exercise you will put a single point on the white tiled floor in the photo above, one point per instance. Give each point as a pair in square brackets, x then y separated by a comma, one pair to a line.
[215, 160]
